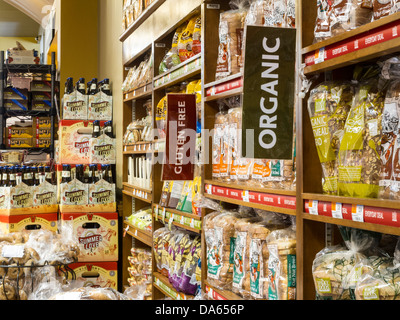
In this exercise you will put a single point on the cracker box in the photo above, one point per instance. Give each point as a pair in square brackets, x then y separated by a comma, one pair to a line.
[30, 222]
[20, 143]
[16, 105]
[97, 274]
[41, 86]
[22, 56]
[19, 132]
[97, 235]
[100, 107]
[15, 94]
[74, 141]
[75, 106]
[102, 150]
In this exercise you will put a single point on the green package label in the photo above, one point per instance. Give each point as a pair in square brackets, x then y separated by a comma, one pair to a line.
[320, 105]
[350, 174]
[322, 138]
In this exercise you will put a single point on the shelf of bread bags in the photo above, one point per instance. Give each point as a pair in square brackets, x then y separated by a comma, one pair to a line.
[358, 170]
[177, 255]
[351, 42]
[44, 256]
[368, 267]
[138, 83]
[140, 270]
[178, 218]
[263, 250]
[135, 12]
[183, 59]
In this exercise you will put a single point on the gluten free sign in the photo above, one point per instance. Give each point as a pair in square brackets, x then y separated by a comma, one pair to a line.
[268, 93]
[180, 148]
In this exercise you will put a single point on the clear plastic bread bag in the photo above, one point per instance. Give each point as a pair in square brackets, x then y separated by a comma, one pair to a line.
[171, 58]
[230, 53]
[218, 139]
[360, 164]
[324, 20]
[390, 144]
[177, 258]
[256, 260]
[219, 260]
[328, 106]
[333, 267]
[188, 280]
[380, 278]
[160, 239]
[282, 281]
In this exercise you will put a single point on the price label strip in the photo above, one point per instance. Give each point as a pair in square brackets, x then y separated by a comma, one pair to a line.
[313, 207]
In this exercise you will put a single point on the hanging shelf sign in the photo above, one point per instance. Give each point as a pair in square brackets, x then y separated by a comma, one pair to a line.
[268, 93]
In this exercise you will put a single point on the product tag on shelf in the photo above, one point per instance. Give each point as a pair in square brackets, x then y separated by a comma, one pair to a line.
[357, 213]
[192, 223]
[125, 231]
[209, 188]
[245, 196]
[156, 212]
[319, 55]
[182, 220]
[313, 207]
[171, 219]
[163, 215]
[337, 210]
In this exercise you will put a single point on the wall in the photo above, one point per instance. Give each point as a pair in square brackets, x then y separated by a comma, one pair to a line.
[10, 42]
[110, 66]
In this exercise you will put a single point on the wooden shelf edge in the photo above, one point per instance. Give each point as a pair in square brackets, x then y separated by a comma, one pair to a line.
[146, 93]
[349, 34]
[126, 184]
[252, 205]
[251, 188]
[178, 212]
[353, 224]
[144, 15]
[142, 235]
[136, 197]
[228, 295]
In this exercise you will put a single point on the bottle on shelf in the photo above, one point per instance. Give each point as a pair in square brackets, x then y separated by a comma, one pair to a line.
[96, 129]
[48, 175]
[4, 178]
[66, 174]
[108, 129]
[108, 176]
[79, 169]
[42, 174]
[93, 174]
[88, 87]
[36, 176]
[93, 87]
[69, 86]
[106, 86]
[12, 179]
[80, 86]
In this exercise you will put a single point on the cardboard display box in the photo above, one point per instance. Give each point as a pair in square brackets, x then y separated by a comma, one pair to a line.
[17, 223]
[97, 274]
[97, 235]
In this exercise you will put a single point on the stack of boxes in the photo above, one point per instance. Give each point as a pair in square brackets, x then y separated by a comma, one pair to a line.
[90, 205]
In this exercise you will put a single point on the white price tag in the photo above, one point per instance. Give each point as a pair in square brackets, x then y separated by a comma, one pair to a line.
[16, 251]
[337, 210]
[313, 207]
[319, 56]
[192, 223]
[181, 220]
[156, 213]
[245, 196]
[163, 215]
[357, 213]
[209, 189]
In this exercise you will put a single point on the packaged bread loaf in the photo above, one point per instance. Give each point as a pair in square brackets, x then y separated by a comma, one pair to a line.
[196, 44]
[171, 58]
[219, 262]
[186, 40]
[322, 29]
[218, 142]
[230, 54]
[359, 156]
[282, 264]
[328, 107]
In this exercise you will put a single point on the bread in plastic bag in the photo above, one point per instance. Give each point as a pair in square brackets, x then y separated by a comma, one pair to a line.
[328, 107]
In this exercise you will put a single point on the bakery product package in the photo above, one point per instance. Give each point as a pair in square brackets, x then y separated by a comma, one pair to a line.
[328, 106]
[334, 267]
[230, 48]
[359, 154]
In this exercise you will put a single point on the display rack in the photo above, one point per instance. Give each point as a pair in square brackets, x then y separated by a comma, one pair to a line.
[39, 70]
[316, 214]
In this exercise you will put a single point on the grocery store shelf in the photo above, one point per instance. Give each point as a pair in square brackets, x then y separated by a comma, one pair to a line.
[218, 294]
[142, 92]
[371, 214]
[139, 234]
[161, 283]
[142, 147]
[143, 16]
[182, 72]
[224, 88]
[137, 192]
[181, 219]
[367, 42]
[265, 199]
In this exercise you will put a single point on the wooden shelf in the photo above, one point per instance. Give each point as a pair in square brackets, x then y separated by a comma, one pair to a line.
[142, 235]
[161, 283]
[139, 93]
[224, 88]
[270, 200]
[183, 71]
[142, 147]
[181, 219]
[366, 213]
[144, 15]
[137, 192]
[218, 294]
[370, 41]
